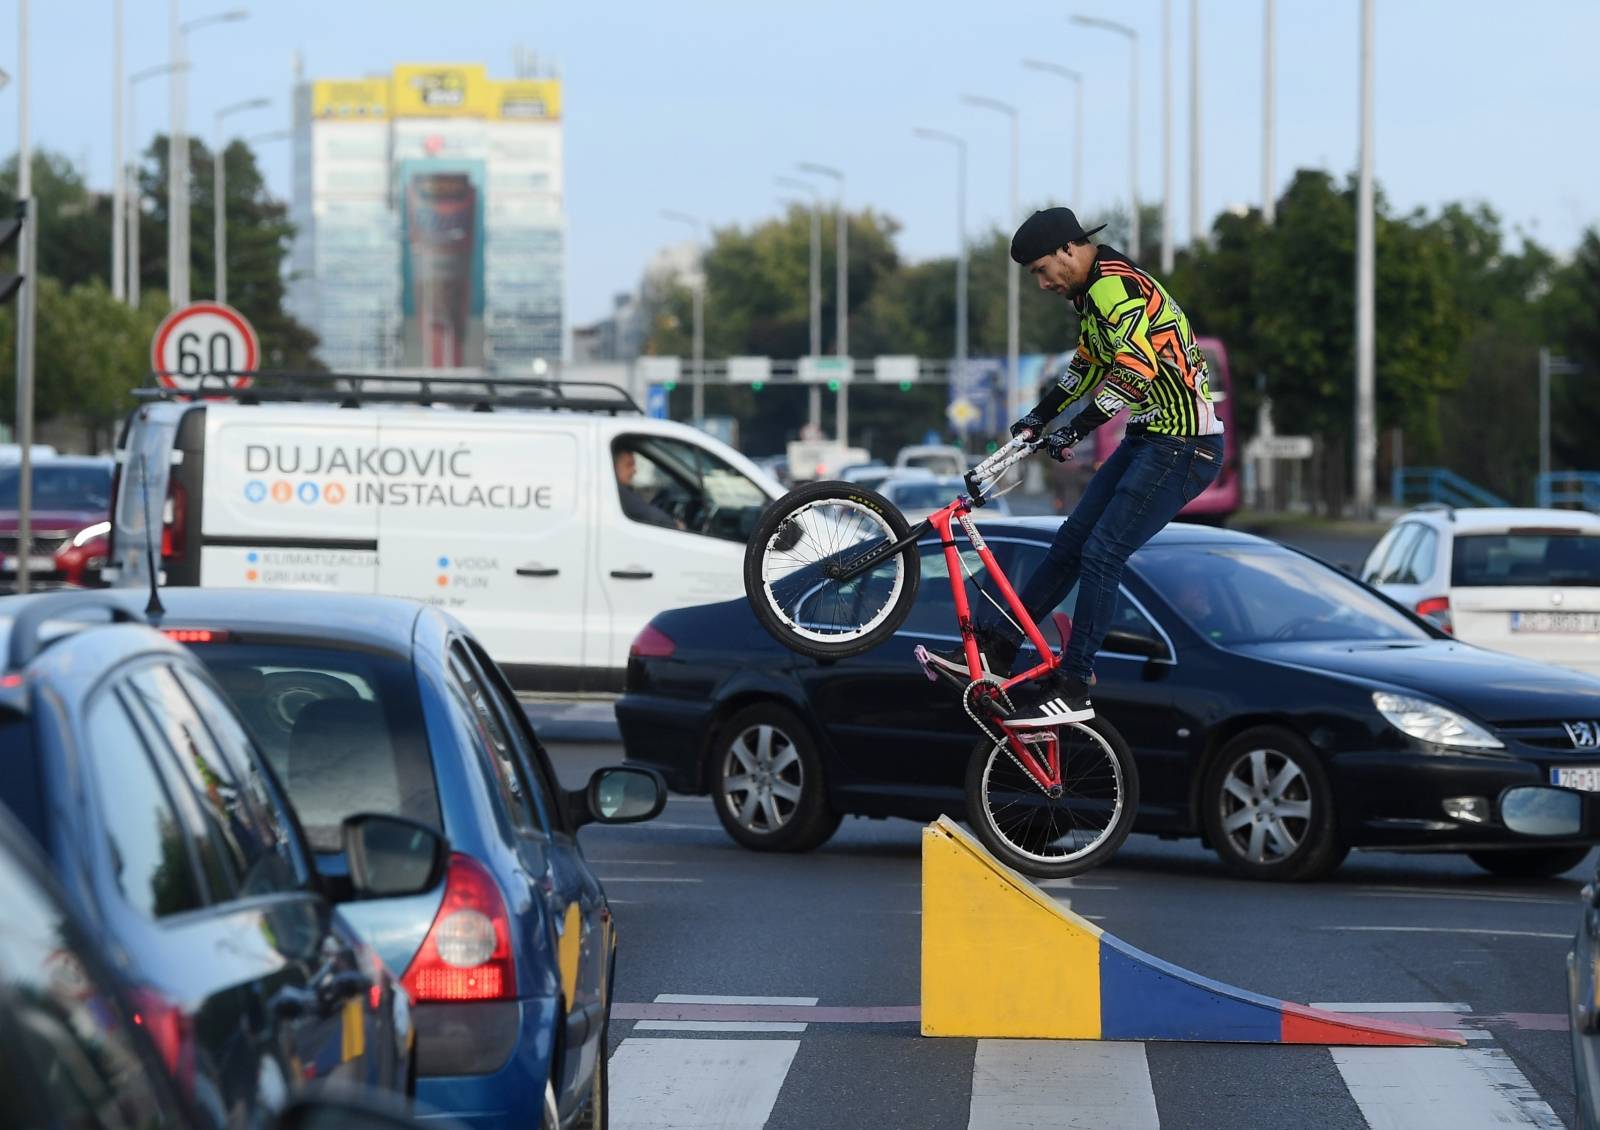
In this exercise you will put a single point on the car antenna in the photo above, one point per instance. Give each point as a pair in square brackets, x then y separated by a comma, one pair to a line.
[152, 608]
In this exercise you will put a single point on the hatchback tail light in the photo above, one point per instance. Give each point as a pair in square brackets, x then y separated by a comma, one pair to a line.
[1436, 610]
[467, 953]
[652, 643]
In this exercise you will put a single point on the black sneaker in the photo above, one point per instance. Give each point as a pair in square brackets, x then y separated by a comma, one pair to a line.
[996, 654]
[1053, 700]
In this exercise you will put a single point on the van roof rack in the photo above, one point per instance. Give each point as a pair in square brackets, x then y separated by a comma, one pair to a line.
[481, 392]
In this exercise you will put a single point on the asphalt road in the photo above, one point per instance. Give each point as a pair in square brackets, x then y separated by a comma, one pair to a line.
[836, 935]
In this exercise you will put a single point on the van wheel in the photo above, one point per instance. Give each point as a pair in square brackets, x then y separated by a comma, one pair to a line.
[767, 783]
[1268, 810]
[1529, 863]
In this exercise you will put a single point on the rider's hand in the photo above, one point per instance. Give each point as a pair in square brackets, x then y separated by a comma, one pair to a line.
[1029, 424]
[1060, 443]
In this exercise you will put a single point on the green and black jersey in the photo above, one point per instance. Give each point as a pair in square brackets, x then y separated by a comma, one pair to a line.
[1135, 351]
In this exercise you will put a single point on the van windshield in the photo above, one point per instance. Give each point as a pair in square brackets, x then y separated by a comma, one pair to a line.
[342, 729]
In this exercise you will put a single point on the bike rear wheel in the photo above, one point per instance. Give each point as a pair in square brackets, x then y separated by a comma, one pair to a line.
[802, 542]
[1053, 837]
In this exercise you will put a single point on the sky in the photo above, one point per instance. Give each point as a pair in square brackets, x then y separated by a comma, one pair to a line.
[697, 105]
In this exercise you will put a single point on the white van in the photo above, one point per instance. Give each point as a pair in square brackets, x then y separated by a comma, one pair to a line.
[510, 516]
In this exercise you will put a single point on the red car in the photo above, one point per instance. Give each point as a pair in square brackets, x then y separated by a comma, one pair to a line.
[71, 521]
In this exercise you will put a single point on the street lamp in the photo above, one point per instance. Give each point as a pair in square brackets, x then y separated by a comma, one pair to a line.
[1366, 445]
[1077, 128]
[1013, 268]
[131, 173]
[961, 239]
[814, 397]
[841, 343]
[1196, 219]
[1133, 118]
[119, 244]
[698, 292]
[219, 196]
[1268, 82]
[27, 303]
[178, 154]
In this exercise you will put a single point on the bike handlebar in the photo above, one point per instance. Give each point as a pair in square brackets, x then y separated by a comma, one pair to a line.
[987, 473]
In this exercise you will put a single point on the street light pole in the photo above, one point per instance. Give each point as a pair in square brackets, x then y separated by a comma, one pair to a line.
[1077, 129]
[1133, 119]
[961, 239]
[119, 243]
[219, 198]
[814, 393]
[698, 297]
[27, 301]
[1166, 137]
[1269, 191]
[178, 154]
[841, 403]
[1548, 366]
[131, 174]
[1196, 216]
[1366, 449]
[1013, 268]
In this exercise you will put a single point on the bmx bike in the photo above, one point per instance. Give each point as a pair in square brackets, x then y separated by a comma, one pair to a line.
[832, 570]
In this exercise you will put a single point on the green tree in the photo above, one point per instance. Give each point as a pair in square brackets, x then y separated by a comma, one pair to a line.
[74, 224]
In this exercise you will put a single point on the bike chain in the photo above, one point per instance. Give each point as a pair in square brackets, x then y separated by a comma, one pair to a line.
[1000, 739]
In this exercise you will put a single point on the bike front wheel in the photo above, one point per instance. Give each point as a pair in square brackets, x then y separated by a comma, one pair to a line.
[1053, 834]
[792, 568]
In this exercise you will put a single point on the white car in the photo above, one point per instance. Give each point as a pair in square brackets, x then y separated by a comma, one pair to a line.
[1520, 581]
[919, 494]
[938, 458]
[554, 523]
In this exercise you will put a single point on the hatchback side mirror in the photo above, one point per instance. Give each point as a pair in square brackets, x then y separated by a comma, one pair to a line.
[1135, 643]
[391, 857]
[618, 795]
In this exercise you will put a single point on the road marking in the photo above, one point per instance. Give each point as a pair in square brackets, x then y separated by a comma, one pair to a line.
[1440, 1089]
[693, 998]
[1464, 896]
[1391, 1006]
[1073, 885]
[702, 1084]
[658, 825]
[1567, 937]
[593, 862]
[645, 879]
[1039, 1084]
[789, 1013]
[718, 1026]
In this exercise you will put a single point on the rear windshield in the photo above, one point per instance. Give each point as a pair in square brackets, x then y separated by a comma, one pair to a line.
[1526, 557]
[60, 488]
[343, 730]
[923, 496]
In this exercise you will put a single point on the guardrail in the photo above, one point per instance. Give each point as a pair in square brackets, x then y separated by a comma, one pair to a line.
[1575, 490]
[1413, 485]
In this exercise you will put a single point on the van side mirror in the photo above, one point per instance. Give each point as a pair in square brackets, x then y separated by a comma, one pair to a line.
[618, 795]
[391, 857]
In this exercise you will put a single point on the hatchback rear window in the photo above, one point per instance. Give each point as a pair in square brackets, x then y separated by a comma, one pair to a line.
[1526, 557]
[342, 729]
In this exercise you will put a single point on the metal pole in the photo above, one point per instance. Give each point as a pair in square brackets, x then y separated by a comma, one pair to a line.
[814, 393]
[697, 296]
[118, 181]
[27, 301]
[1013, 269]
[841, 343]
[1197, 230]
[961, 238]
[177, 173]
[1132, 37]
[1366, 440]
[134, 215]
[1077, 133]
[1166, 137]
[1544, 413]
[219, 198]
[1269, 192]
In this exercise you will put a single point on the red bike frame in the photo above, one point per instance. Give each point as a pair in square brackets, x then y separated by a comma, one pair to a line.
[1048, 774]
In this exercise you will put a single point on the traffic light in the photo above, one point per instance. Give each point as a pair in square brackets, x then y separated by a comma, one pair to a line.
[9, 231]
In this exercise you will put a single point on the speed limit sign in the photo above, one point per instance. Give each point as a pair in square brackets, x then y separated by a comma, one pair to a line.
[201, 339]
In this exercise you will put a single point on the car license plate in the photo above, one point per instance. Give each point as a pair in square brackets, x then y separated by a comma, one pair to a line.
[36, 564]
[1585, 778]
[1555, 621]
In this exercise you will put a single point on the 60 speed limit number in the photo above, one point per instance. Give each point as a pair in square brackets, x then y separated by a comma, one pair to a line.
[204, 339]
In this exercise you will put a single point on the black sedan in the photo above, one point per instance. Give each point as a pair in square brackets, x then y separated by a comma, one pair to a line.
[1276, 707]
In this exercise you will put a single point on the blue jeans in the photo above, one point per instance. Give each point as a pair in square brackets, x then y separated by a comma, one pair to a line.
[1147, 480]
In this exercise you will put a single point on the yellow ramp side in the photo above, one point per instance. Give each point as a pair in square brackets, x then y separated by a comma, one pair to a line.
[999, 958]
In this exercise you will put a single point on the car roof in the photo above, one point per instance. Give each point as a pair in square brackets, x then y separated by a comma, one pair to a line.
[381, 623]
[1176, 533]
[98, 462]
[1488, 519]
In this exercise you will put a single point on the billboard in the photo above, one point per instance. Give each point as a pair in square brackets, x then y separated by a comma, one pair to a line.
[350, 98]
[442, 263]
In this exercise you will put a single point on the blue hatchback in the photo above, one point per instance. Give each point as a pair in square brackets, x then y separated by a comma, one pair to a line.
[381, 705]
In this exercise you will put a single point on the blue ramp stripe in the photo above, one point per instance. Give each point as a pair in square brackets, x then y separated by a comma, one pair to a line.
[1145, 998]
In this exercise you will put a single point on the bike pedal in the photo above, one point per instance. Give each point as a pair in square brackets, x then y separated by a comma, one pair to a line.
[921, 654]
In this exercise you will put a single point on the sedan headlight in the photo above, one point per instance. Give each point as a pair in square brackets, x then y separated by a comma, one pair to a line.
[89, 533]
[1429, 722]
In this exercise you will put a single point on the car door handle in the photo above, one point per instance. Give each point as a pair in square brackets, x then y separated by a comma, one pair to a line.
[536, 570]
[632, 574]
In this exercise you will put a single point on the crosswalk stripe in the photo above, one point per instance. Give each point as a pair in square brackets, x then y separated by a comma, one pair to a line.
[718, 1026]
[1035, 1084]
[1441, 1089]
[679, 1084]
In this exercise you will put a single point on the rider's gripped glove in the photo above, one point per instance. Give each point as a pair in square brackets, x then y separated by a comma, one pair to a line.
[1060, 443]
[1030, 424]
